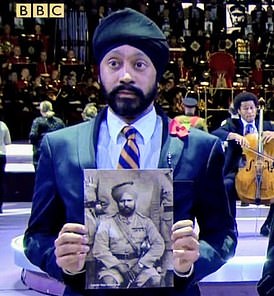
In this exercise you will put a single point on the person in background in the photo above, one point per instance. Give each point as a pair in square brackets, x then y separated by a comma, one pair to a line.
[132, 54]
[43, 66]
[90, 111]
[5, 139]
[41, 125]
[233, 131]
[222, 67]
[189, 118]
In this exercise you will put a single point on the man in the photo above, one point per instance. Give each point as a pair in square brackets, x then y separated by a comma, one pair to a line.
[43, 67]
[222, 70]
[233, 131]
[128, 244]
[222, 67]
[132, 54]
[45, 123]
[189, 118]
[266, 283]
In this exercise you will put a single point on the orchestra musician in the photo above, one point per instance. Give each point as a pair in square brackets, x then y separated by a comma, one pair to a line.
[233, 131]
[7, 40]
[16, 58]
[222, 67]
[222, 70]
[43, 67]
[70, 59]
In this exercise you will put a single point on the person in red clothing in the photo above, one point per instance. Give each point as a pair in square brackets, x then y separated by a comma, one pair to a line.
[43, 67]
[222, 67]
[257, 73]
[7, 40]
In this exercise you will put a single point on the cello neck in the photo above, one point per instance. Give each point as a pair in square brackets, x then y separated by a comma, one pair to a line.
[261, 125]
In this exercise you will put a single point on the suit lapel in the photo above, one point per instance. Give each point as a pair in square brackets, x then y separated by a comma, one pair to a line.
[171, 152]
[87, 142]
[172, 147]
[86, 153]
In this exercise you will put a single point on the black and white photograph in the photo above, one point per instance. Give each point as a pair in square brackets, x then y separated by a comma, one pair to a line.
[129, 215]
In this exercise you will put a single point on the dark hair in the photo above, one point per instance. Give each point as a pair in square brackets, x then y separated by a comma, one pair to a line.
[244, 97]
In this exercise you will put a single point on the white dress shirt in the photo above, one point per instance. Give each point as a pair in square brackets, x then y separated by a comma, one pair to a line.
[111, 140]
[245, 123]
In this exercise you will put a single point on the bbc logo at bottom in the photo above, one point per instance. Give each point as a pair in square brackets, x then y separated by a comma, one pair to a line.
[40, 10]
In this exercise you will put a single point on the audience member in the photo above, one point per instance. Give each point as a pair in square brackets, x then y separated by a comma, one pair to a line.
[196, 19]
[90, 111]
[41, 125]
[258, 20]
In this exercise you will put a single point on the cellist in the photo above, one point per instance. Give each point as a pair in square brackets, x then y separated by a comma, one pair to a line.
[233, 131]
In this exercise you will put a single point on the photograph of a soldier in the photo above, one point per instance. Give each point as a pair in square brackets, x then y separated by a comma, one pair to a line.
[129, 215]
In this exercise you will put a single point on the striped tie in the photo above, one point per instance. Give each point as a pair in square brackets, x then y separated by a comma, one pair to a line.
[129, 157]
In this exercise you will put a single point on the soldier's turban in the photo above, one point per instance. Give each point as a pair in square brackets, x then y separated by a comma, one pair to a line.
[119, 190]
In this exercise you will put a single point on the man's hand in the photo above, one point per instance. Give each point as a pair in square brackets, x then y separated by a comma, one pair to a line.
[71, 247]
[267, 136]
[127, 274]
[136, 269]
[185, 245]
[239, 139]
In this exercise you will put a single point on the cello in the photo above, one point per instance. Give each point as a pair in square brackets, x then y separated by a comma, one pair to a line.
[254, 181]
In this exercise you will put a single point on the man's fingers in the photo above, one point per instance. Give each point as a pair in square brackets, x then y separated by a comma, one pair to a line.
[74, 228]
[181, 224]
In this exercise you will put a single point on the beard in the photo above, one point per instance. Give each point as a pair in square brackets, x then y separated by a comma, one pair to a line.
[129, 107]
[126, 211]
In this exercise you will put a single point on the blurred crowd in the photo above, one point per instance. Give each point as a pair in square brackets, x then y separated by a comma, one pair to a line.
[37, 64]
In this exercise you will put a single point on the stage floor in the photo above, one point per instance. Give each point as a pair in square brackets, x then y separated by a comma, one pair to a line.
[238, 276]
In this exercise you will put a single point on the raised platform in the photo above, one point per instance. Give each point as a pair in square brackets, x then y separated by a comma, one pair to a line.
[19, 177]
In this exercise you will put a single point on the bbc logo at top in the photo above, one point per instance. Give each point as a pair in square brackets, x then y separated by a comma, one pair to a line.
[40, 10]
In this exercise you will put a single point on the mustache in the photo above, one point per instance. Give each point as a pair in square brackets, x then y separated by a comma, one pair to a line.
[137, 91]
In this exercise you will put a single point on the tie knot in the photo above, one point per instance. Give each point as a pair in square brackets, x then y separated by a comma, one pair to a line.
[129, 132]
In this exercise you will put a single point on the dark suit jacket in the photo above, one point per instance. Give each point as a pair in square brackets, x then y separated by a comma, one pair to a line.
[199, 192]
[266, 283]
[234, 150]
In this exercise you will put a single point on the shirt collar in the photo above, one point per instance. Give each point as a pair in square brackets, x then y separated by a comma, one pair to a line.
[245, 123]
[145, 125]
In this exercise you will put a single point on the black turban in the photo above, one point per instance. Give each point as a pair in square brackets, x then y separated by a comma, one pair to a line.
[133, 28]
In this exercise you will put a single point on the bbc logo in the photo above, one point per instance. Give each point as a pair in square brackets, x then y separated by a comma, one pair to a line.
[40, 10]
